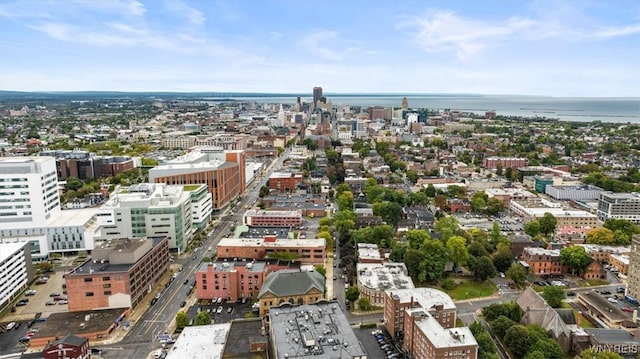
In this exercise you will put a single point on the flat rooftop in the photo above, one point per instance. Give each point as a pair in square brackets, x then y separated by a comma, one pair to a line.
[261, 232]
[230, 266]
[279, 242]
[313, 331]
[8, 249]
[285, 175]
[245, 332]
[75, 217]
[383, 276]
[426, 297]
[262, 212]
[61, 324]
[438, 336]
[201, 342]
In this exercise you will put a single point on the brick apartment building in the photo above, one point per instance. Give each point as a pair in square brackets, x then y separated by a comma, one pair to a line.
[119, 274]
[284, 182]
[307, 251]
[457, 205]
[543, 261]
[232, 280]
[262, 218]
[426, 320]
[491, 163]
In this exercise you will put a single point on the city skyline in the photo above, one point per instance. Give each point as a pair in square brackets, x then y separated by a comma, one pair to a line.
[552, 48]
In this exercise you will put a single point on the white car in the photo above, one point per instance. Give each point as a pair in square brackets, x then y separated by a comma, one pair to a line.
[612, 300]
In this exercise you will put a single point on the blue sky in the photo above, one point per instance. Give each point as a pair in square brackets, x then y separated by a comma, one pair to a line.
[556, 48]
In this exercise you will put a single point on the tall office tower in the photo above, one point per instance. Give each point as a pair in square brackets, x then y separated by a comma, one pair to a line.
[28, 192]
[405, 103]
[317, 93]
[633, 276]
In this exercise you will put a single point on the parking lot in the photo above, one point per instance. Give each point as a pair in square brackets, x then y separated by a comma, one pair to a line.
[36, 307]
[229, 311]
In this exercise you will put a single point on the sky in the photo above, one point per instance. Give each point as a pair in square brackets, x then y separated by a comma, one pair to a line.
[574, 48]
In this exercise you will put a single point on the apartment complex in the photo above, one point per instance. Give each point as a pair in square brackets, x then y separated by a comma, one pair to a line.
[118, 275]
[284, 182]
[233, 280]
[490, 163]
[262, 218]
[16, 271]
[85, 165]
[148, 210]
[633, 277]
[222, 171]
[376, 278]
[426, 320]
[307, 251]
[619, 206]
[542, 261]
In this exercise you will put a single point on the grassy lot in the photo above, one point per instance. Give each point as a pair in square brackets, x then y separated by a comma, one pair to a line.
[468, 288]
[591, 282]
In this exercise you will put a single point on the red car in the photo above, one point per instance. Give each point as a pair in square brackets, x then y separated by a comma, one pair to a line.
[628, 309]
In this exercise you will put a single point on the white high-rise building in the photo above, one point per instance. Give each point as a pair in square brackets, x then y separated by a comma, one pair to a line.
[28, 192]
[30, 209]
[15, 270]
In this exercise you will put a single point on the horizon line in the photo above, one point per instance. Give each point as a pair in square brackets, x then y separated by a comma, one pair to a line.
[301, 94]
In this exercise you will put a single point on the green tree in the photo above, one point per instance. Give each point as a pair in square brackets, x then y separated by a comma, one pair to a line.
[532, 228]
[416, 237]
[430, 190]
[602, 236]
[535, 355]
[321, 269]
[45, 267]
[412, 259]
[364, 304]
[477, 249]
[623, 230]
[549, 347]
[479, 201]
[509, 309]
[73, 183]
[345, 201]
[575, 257]
[517, 273]
[554, 295]
[447, 226]
[434, 261]
[591, 353]
[548, 224]
[494, 206]
[182, 320]
[391, 212]
[484, 269]
[342, 188]
[352, 294]
[412, 176]
[517, 340]
[202, 318]
[458, 253]
[264, 191]
[501, 324]
[503, 258]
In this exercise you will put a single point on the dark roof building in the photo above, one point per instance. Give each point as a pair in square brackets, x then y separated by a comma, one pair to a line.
[293, 287]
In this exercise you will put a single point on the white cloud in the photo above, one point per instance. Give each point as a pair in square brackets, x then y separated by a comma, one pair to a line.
[194, 15]
[123, 7]
[445, 31]
[317, 43]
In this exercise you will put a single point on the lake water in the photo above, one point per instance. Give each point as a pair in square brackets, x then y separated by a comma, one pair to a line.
[563, 108]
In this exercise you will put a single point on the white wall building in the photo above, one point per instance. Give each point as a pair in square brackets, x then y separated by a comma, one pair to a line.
[147, 210]
[619, 206]
[15, 270]
[28, 192]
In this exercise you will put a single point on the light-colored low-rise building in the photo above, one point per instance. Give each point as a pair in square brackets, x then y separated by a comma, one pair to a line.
[369, 253]
[376, 278]
[531, 210]
[201, 342]
[262, 218]
[306, 251]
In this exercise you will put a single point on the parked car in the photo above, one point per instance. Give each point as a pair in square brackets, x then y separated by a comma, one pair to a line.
[219, 310]
[63, 302]
[51, 302]
[628, 309]
[11, 326]
[30, 292]
[54, 295]
[183, 304]
[571, 294]
[229, 310]
[612, 300]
